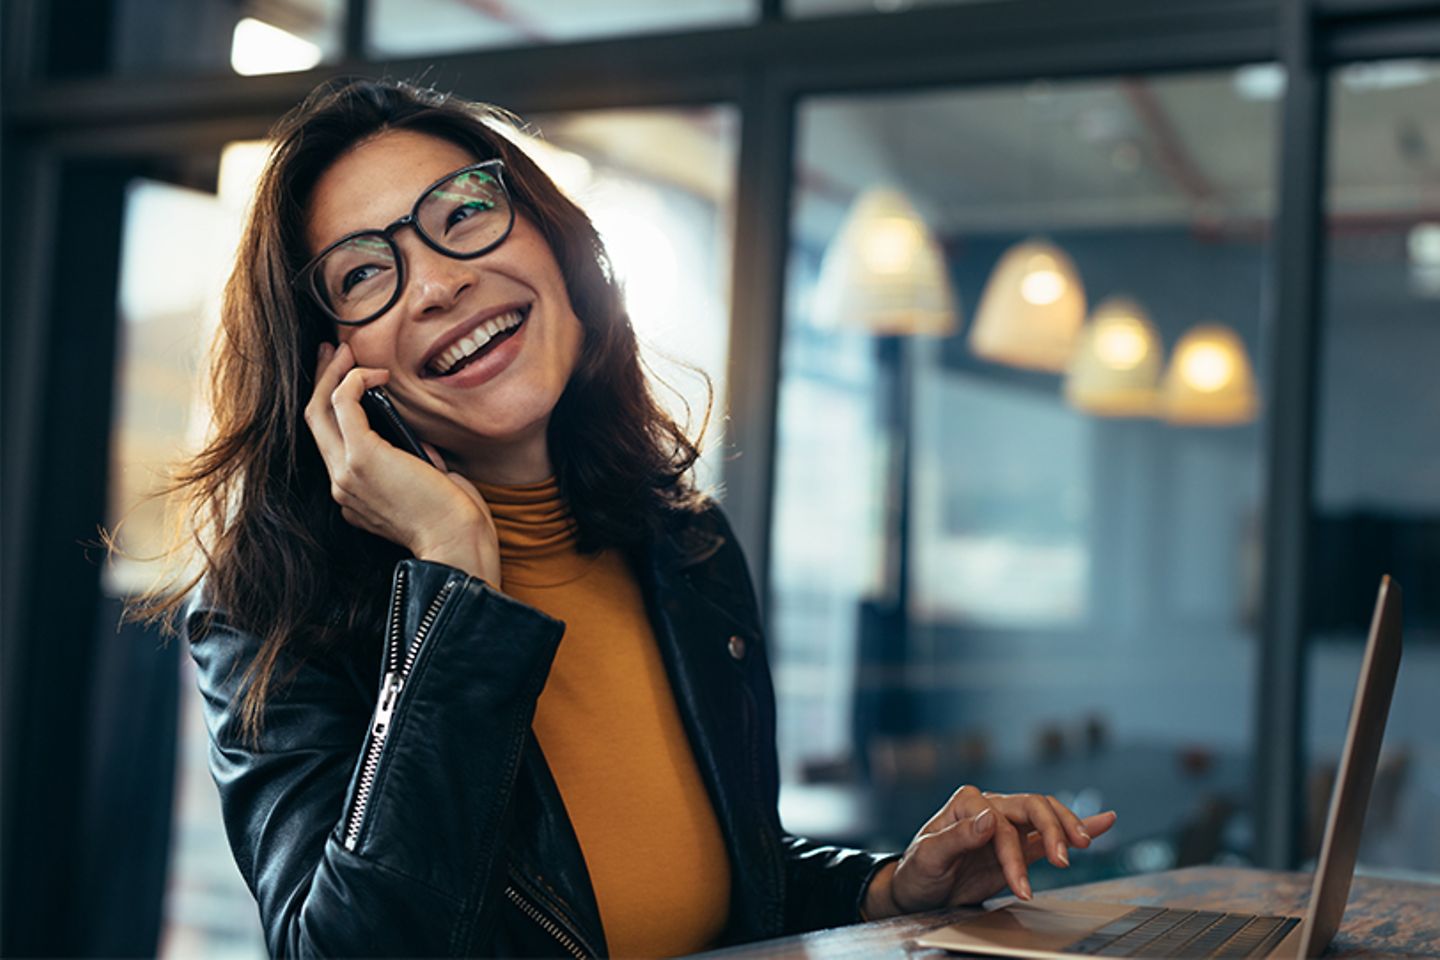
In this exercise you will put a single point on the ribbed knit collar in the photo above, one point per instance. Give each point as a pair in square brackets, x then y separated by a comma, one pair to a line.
[537, 534]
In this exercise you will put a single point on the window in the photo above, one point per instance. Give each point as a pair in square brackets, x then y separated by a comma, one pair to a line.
[1076, 610]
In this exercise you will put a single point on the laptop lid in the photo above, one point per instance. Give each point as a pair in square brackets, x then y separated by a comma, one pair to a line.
[1346, 819]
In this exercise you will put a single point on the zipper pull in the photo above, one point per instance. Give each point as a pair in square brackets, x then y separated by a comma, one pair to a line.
[389, 692]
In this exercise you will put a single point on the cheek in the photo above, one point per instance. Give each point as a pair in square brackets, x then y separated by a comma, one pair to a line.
[368, 344]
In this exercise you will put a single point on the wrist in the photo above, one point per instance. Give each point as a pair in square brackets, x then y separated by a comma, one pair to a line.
[878, 903]
[463, 553]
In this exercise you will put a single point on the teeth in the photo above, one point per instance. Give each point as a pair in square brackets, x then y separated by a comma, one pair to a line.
[473, 341]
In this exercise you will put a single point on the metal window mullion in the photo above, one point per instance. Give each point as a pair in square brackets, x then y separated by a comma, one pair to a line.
[1292, 337]
[1039, 36]
[355, 33]
[757, 294]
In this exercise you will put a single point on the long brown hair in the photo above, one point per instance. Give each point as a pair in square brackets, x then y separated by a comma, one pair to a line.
[278, 558]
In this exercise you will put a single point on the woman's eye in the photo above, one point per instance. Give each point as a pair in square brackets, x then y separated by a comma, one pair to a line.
[467, 210]
[357, 276]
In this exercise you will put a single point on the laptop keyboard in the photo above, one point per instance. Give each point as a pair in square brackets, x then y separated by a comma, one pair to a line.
[1163, 932]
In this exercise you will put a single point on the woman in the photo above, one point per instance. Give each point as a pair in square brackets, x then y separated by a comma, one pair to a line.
[410, 760]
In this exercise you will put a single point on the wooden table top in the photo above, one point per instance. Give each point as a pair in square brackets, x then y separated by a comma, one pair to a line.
[1384, 918]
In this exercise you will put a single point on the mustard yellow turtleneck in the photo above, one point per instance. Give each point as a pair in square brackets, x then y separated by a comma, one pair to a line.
[613, 737]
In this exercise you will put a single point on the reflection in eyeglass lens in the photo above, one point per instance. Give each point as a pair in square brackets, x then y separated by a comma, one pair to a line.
[357, 273]
[454, 214]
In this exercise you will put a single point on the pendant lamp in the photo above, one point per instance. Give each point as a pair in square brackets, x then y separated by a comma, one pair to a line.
[1210, 382]
[1115, 369]
[884, 273]
[1032, 309]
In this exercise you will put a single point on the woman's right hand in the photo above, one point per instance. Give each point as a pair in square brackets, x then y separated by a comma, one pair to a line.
[383, 490]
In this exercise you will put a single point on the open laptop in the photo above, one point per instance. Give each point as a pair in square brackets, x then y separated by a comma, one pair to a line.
[1059, 928]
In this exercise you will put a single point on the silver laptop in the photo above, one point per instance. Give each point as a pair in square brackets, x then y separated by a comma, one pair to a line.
[1059, 928]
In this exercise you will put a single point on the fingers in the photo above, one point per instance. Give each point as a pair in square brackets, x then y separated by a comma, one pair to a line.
[964, 802]
[1052, 829]
[1010, 854]
[1099, 823]
[1042, 817]
[938, 850]
[434, 454]
[1074, 829]
[318, 414]
[345, 401]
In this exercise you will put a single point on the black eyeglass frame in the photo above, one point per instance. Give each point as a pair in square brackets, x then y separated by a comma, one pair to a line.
[307, 274]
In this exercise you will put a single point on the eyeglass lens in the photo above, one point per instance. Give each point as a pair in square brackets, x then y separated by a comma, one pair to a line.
[463, 216]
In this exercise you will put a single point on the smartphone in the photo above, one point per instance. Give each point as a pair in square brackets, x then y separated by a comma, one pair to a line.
[387, 422]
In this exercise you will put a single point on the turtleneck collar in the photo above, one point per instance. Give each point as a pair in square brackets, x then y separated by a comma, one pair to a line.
[537, 534]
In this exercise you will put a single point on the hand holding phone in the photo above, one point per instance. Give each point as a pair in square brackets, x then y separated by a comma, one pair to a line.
[438, 516]
[386, 421]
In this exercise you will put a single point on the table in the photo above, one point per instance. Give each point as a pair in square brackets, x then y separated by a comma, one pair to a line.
[1384, 918]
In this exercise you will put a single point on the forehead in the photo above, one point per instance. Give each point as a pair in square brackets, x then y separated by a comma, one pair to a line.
[376, 182]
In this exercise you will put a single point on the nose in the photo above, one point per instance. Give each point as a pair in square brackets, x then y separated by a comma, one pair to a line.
[435, 281]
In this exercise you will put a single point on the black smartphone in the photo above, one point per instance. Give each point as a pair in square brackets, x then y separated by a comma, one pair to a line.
[387, 422]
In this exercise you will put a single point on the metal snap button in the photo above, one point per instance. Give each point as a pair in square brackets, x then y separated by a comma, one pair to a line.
[737, 647]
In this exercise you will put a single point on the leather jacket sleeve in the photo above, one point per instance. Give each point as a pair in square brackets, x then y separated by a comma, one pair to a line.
[423, 871]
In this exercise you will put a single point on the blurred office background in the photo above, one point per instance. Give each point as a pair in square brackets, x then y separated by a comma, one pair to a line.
[1075, 384]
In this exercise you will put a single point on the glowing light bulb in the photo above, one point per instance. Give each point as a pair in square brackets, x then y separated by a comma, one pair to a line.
[1121, 343]
[1042, 284]
[258, 47]
[1207, 367]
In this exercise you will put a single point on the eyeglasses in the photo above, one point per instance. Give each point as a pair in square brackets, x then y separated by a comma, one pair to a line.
[464, 215]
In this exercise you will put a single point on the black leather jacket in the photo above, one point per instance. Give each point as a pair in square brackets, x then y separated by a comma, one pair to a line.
[446, 835]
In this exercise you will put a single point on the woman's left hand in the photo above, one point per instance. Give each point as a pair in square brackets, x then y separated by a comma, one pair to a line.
[978, 844]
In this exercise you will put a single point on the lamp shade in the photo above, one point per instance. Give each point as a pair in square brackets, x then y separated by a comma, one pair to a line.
[884, 273]
[1115, 369]
[1032, 309]
[1210, 382]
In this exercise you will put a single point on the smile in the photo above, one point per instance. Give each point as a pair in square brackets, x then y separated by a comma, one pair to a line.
[475, 342]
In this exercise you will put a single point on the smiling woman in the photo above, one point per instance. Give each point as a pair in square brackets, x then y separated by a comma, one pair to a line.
[410, 760]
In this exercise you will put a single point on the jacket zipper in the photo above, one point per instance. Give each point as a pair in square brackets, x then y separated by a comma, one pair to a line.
[399, 661]
[546, 923]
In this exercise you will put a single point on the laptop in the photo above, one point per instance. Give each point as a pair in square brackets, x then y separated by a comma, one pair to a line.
[1059, 928]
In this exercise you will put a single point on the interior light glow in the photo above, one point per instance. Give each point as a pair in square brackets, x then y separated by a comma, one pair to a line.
[884, 273]
[1042, 284]
[1424, 244]
[241, 163]
[892, 245]
[1210, 382]
[1388, 75]
[628, 218]
[258, 47]
[1032, 309]
[1122, 343]
[1261, 82]
[1207, 367]
[1115, 369]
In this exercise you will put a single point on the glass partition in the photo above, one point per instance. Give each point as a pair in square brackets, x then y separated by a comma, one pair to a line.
[1019, 466]
[659, 186]
[1377, 464]
[422, 27]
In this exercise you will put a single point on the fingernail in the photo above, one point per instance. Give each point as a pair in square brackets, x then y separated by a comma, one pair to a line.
[1024, 890]
[1085, 833]
[982, 819]
[1061, 855]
